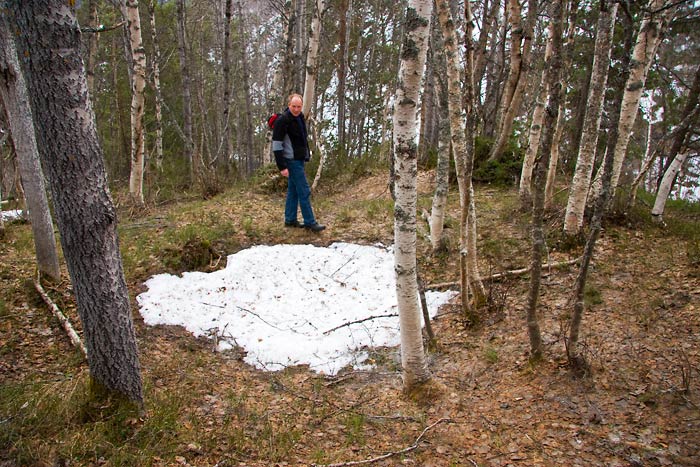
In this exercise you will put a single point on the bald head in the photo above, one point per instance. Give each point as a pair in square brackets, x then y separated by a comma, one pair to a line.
[294, 103]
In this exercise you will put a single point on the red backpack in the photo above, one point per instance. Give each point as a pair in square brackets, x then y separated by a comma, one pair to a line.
[271, 120]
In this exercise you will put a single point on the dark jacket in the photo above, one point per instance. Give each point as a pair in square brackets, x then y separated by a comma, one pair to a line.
[289, 139]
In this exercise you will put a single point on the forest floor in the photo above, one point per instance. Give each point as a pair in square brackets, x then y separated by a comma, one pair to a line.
[490, 407]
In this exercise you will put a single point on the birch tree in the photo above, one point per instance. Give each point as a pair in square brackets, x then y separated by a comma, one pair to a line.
[71, 156]
[413, 52]
[247, 139]
[534, 135]
[463, 157]
[155, 65]
[310, 83]
[553, 71]
[13, 93]
[442, 173]
[648, 40]
[521, 47]
[689, 117]
[182, 48]
[666, 184]
[226, 65]
[573, 219]
[138, 84]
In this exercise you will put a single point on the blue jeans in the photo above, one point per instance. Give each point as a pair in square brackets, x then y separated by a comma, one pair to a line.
[298, 193]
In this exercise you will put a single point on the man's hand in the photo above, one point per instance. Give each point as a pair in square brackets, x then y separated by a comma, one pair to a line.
[285, 173]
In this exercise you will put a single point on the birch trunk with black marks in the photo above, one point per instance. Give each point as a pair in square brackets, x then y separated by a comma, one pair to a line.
[648, 40]
[312, 58]
[689, 118]
[556, 142]
[73, 162]
[576, 204]
[92, 42]
[525, 188]
[521, 47]
[245, 89]
[138, 85]
[155, 61]
[553, 83]
[413, 52]
[225, 145]
[442, 173]
[13, 93]
[183, 52]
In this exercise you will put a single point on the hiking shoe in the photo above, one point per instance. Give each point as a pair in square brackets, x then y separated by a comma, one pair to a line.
[294, 223]
[314, 227]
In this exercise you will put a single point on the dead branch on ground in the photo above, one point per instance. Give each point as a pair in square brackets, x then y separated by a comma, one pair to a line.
[72, 335]
[514, 272]
[388, 454]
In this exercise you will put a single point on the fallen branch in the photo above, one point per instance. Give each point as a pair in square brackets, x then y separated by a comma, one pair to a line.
[514, 272]
[388, 454]
[72, 335]
[391, 315]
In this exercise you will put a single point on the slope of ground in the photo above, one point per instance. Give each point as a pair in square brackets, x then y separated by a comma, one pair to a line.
[641, 335]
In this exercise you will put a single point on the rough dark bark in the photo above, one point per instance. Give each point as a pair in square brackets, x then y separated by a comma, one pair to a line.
[86, 217]
[553, 83]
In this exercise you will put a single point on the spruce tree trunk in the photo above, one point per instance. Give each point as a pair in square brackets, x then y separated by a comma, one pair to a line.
[72, 158]
[13, 93]
[553, 83]
[138, 55]
[573, 219]
[413, 52]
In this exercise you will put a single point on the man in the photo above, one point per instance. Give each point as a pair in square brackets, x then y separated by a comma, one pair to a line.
[291, 148]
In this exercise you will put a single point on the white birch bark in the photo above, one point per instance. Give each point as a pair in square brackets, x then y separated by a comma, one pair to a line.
[521, 47]
[137, 100]
[573, 219]
[413, 53]
[310, 83]
[442, 174]
[525, 188]
[463, 155]
[312, 58]
[156, 85]
[13, 93]
[556, 142]
[648, 40]
[666, 184]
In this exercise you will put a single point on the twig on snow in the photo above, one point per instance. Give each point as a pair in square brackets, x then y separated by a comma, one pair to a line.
[390, 315]
[388, 454]
[74, 338]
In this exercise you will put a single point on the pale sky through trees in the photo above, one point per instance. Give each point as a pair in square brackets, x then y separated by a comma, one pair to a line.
[283, 303]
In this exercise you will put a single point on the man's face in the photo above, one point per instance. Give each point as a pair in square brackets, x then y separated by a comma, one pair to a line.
[295, 106]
